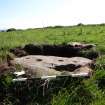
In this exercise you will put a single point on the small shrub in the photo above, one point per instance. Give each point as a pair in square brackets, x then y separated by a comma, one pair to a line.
[58, 27]
[80, 24]
[11, 29]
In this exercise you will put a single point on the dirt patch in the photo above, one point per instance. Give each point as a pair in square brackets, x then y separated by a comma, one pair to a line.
[19, 51]
[69, 50]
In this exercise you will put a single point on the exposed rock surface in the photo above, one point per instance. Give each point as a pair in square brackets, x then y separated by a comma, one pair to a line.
[37, 65]
[47, 60]
[84, 71]
[82, 45]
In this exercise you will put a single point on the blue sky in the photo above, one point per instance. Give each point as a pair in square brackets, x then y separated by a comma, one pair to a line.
[41, 13]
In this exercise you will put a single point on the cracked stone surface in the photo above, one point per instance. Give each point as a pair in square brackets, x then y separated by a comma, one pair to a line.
[38, 65]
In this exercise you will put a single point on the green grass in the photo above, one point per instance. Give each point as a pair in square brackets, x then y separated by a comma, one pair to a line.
[92, 34]
[88, 92]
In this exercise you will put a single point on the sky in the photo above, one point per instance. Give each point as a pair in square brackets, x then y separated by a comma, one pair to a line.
[23, 14]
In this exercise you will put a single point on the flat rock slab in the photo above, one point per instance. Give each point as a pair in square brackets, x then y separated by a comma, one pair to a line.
[38, 65]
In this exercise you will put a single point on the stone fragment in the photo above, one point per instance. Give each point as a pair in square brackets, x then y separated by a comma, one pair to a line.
[82, 45]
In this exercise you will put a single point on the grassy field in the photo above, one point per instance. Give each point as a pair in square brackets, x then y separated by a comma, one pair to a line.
[88, 92]
[91, 34]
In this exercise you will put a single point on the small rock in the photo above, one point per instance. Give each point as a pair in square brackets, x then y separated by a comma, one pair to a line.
[82, 45]
[19, 73]
[84, 71]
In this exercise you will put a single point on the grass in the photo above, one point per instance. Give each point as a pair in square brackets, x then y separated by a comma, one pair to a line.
[88, 91]
[92, 34]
